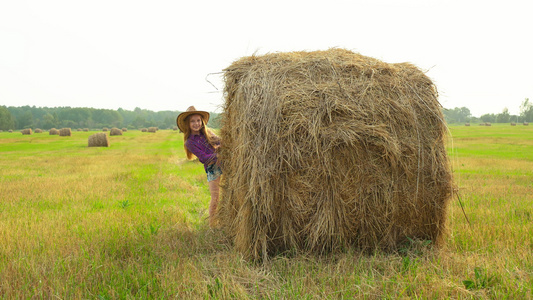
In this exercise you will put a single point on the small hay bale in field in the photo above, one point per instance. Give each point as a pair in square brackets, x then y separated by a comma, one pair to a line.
[98, 140]
[85, 129]
[26, 131]
[144, 130]
[175, 128]
[10, 131]
[152, 129]
[79, 129]
[54, 131]
[124, 129]
[105, 129]
[65, 132]
[526, 124]
[467, 124]
[115, 131]
[513, 124]
[488, 124]
[327, 149]
[481, 124]
[38, 130]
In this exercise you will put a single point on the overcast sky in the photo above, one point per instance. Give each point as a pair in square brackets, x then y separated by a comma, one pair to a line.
[157, 55]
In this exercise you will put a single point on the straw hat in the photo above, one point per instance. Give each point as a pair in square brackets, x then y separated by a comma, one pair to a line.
[180, 121]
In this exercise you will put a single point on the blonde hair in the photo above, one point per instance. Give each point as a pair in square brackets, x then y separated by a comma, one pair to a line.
[211, 137]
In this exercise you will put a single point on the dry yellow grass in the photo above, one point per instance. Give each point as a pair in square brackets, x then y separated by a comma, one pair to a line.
[78, 223]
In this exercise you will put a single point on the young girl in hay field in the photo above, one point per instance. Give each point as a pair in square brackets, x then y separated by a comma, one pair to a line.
[203, 143]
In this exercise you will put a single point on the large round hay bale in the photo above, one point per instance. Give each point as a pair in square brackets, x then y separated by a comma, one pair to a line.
[152, 129]
[513, 124]
[26, 131]
[98, 140]
[115, 131]
[526, 124]
[105, 129]
[65, 132]
[124, 129]
[38, 130]
[488, 124]
[144, 130]
[86, 129]
[53, 131]
[327, 149]
[467, 124]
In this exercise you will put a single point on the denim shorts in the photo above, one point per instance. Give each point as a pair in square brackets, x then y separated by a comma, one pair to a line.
[213, 172]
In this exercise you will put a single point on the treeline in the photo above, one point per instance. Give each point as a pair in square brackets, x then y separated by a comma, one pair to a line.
[463, 115]
[17, 118]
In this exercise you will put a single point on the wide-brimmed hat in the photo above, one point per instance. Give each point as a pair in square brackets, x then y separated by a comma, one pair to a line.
[180, 121]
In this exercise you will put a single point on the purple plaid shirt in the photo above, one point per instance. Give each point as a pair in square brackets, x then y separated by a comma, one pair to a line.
[200, 147]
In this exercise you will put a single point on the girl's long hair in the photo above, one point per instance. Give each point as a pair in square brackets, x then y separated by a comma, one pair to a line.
[212, 138]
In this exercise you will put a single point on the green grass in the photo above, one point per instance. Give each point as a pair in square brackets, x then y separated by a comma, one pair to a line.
[129, 221]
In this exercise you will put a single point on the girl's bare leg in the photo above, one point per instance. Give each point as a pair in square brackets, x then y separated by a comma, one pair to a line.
[214, 189]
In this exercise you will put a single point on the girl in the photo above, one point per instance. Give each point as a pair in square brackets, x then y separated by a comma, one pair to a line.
[202, 143]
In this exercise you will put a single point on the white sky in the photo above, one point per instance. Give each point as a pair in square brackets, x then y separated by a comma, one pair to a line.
[156, 54]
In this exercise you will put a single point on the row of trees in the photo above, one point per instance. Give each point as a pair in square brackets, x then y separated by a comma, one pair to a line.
[463, 115]
[82, 117]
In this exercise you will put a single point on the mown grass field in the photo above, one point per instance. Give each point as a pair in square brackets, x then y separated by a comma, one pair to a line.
[129, 221]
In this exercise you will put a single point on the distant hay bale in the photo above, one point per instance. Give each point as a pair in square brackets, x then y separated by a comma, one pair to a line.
[98, 140]
[85, 129]
[481, 124]
[327, 149]
[53, 131]
[105, 129]
[26, 131]
[79, 129]
[10, 131]
[467, 124]
[488, 124]
[115, 131]
[513, 124]
[65, 132]
[144, 130]
[152, 129]
[526, 124]
[124, 129]
[175, 128]
[38, 130]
